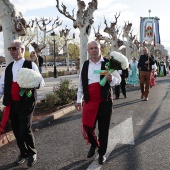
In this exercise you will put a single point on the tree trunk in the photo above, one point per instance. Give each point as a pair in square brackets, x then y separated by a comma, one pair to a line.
[9, 35]
[83, 45]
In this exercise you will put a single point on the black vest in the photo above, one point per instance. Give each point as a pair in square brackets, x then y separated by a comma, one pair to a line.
[8, 83]
[105, 90]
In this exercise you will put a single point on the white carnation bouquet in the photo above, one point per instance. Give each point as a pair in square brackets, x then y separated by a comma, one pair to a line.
[27, 80]
[117, 61]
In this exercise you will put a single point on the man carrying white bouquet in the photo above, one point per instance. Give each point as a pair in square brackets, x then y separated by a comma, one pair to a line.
[18, 85]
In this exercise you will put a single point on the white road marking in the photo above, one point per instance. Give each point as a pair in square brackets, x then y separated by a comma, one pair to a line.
[122, 133]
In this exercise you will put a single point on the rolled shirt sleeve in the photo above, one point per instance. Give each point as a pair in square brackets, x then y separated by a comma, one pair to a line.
[116, 79]
[80, 91]
[2, 84]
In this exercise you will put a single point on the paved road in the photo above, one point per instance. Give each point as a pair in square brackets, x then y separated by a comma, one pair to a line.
[139, 137]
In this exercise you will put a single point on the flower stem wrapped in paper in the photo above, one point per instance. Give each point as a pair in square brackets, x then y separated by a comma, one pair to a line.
[28, 80]
[117, 61]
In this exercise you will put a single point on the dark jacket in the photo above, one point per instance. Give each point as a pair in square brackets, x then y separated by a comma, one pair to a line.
[141, 63]
[40, 61]
[125, 74]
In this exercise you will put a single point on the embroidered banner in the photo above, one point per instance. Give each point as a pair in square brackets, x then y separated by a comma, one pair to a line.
[157, 34]
[149, 29]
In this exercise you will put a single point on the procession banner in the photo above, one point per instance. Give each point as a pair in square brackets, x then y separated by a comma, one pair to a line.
[157, 34]
[147, 29]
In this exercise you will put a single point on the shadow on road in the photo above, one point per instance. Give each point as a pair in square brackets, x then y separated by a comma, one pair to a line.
[75, 165]
[126, 103]
[132, 154]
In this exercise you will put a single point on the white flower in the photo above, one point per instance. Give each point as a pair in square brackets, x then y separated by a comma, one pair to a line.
[121, 58]
[28, 78]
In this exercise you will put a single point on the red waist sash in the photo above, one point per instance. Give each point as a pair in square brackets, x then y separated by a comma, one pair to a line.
[90, 108]
[14, 96]
[15, 91]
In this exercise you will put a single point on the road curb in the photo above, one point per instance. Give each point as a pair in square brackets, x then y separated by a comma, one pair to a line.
[39, 123]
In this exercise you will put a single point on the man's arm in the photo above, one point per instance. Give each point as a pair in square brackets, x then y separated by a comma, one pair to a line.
[116, 79]
[79, 103]
[152, 61]
[2, 85]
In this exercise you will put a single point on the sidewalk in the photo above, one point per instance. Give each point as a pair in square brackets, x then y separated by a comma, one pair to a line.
[49, 82]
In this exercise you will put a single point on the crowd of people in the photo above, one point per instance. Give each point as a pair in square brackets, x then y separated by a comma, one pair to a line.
[142, 72]
[93, 100]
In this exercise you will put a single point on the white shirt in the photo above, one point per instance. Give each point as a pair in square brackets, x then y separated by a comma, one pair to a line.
[93, 78]
[154, 67]
[120, 72]
[15, 69]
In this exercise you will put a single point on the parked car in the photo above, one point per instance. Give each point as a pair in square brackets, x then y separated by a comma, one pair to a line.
[63, 63]
[73, 63]
[58, 64]
[3, 64]
[50, 63]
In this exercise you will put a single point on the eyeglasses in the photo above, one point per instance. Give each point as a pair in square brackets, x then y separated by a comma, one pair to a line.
[13, 48]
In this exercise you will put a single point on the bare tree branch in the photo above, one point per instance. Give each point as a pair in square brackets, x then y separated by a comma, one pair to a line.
[64, 11]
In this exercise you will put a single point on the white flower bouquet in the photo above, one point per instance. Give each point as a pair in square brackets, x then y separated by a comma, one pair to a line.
[28, 79]
[117, 62]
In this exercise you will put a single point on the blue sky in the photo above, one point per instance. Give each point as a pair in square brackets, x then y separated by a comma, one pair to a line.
[131, 11]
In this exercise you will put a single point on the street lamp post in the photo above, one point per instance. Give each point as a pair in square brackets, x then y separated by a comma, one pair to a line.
[55, 70]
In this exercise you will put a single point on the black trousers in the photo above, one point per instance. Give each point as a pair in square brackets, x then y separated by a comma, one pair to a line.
[21, 119]
[123, 88]
[103, 120]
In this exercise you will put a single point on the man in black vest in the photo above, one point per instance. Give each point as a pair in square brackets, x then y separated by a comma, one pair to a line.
[20, 107]
[97, 105]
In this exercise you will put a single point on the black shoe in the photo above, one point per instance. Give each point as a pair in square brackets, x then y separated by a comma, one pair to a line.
[125, 96]
[116, 98]
[20, 160]
[32, 159]
[101, 159]
[91, 151]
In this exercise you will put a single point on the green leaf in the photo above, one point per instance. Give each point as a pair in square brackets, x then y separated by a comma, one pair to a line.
[29, 93]
[22, 91]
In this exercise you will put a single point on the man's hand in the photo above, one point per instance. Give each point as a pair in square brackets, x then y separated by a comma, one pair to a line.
[78, 106]
[108, 77]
